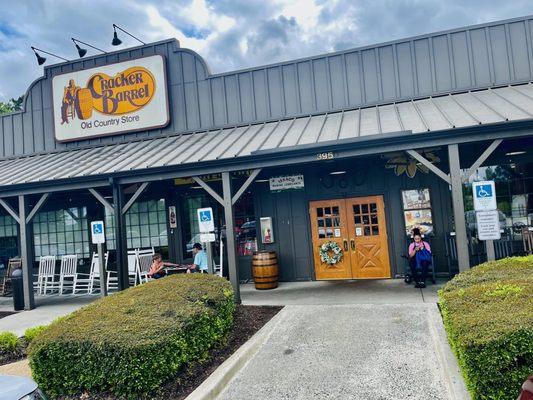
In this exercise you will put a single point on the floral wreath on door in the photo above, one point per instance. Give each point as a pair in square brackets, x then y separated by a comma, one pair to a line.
[330, 253]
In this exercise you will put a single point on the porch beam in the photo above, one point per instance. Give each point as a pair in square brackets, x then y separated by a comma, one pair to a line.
[230, 236]
[458, 208]
[245, 185]
[26, 254]
[482, 158]
[208, 189]
[137, 193]
[37, 207]
[417, 156]
[121, 243]
[10, 210]
[102, 200]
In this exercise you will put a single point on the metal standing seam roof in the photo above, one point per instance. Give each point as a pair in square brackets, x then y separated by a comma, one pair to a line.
[509, 103]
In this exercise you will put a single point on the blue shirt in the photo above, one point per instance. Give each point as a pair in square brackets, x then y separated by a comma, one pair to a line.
[200, 259]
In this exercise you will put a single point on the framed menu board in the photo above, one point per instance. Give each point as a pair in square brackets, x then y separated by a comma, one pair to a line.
[417, 211]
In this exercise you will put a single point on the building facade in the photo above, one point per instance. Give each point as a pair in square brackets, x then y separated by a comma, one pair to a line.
[355, 147]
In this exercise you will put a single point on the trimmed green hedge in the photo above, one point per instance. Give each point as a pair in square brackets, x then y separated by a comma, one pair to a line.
[488, 315]
[131, 342]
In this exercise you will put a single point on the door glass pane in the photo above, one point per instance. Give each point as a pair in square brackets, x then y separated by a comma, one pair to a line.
[356, 209]
[373, 207]
[320, 222]
[375, 230]
[366, 220]
[336, 221]
[327, 210]
[321, 233]
[328, 222]
[319, 212]
[367, 231]
[374, 218]
[357, 219]
[364, 208]
[335, 210]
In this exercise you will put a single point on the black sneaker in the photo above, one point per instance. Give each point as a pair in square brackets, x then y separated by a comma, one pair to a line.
[422, 285]
[417, 285]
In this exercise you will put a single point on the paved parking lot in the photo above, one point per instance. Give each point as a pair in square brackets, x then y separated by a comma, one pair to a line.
[352, 352]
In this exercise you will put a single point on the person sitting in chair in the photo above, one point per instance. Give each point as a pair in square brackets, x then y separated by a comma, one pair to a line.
[200, 258]
[419, 259]
[157, 268]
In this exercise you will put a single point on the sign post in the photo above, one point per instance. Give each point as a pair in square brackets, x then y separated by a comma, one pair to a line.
[98, 238]
[487, 215]
[206, 224]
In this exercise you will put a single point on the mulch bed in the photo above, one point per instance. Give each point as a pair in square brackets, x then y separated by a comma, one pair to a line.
[7, 357]
[248, 320]
[5, 313]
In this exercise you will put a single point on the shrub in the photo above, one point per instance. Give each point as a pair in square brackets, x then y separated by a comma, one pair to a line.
[31, 333]
[131, 342]
[8, 341]
[488, 318]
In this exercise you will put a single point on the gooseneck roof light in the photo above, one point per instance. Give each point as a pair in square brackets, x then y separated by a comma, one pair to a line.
[40, 59]
[116, 41]
[82, 51]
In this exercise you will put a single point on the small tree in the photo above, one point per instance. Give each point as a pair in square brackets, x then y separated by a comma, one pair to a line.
[11, 105]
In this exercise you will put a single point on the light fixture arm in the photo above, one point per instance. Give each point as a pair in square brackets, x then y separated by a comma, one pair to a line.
[46, 52]
[115, 27]
[87, 44]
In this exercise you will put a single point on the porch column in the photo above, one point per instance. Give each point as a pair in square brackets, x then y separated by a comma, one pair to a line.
[26, 252]
[230, 236]
[458, 208]
[121, 243]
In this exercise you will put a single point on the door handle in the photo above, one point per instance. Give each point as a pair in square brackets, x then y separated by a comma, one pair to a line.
[345, 244]
[352, 243]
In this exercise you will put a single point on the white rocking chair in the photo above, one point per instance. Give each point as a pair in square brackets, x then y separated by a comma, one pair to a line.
[46, 275]
[144, 262]
[68, 270]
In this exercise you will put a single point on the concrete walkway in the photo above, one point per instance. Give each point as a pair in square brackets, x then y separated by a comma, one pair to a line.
[385, 291]
[48, 309]
[350, 340]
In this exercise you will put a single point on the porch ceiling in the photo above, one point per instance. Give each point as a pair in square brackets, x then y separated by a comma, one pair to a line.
[509, 103]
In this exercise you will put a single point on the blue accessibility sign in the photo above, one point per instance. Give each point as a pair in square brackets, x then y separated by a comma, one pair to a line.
[205, 215]
[98, 229]
[484, 191]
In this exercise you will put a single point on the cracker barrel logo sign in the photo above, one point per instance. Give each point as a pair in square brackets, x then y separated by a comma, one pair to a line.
[112, 99]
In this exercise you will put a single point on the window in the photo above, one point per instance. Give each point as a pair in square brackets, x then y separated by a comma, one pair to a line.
[8, 239]
[146, 225]
[61, 232]
[514, 196]
[245, 225]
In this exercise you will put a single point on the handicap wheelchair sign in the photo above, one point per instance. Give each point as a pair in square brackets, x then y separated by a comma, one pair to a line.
[205, 220]
[484, 196]
[97, 232]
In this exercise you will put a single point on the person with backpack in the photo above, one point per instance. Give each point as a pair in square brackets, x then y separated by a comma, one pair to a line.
[419, 259]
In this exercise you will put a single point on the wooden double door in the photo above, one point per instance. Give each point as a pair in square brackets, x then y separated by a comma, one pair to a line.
[358, 226]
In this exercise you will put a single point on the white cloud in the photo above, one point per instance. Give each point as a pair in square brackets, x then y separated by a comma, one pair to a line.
[229, 34]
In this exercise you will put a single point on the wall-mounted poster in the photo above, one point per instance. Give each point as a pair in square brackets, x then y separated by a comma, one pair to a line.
[421, 219]
[417, 211]
[416, 199]
[111, 99]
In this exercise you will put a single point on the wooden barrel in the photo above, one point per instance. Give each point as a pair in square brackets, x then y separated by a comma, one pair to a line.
[265, 269]
[84, 103]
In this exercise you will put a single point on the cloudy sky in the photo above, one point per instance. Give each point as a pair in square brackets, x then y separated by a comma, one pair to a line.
[229, 34]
